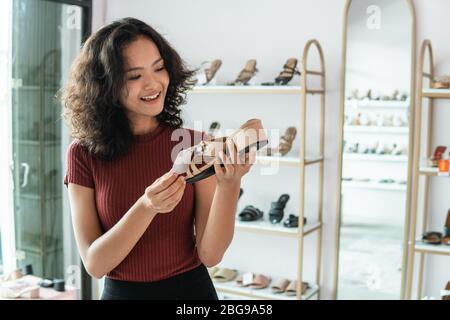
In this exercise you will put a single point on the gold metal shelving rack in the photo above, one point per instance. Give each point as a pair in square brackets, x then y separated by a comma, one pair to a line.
[414, 245]
[264, 227]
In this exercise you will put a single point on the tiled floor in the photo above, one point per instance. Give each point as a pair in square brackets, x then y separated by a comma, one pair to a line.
[370, 261]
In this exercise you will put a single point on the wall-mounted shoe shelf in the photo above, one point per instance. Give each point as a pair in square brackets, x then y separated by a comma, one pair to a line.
[265, 227]
[375, 129]
[264, 294]
[301, 162]
[432, 171]
[432, 248]
[287, 161]
[422, 172]
[370, 104]
[253, 90]
[375, 157]
[436, 93]
[373, 185]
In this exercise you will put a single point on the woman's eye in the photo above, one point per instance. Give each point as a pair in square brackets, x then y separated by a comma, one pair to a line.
[134, 77]
[160, 68]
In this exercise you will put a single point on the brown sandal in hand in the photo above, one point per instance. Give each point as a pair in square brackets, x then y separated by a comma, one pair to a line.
[197, 162]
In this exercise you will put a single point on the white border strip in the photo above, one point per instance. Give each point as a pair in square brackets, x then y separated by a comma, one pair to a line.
[6, 183]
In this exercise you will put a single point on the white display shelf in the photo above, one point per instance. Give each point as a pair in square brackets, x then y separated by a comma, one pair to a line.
[263, 226]
[432, 171]
[375, 129]
[375, 157]
[287, 161]
[266, 294]
[377, 104]
[248, 89]
[432, 248]
[436, 93]
[374, 185]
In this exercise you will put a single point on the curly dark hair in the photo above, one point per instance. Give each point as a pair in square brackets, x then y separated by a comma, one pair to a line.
[91, 102]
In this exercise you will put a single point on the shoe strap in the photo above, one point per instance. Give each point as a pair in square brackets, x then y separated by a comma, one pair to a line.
[290, 69]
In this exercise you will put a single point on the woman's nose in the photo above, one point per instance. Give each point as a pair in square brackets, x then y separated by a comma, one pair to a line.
[150, 82]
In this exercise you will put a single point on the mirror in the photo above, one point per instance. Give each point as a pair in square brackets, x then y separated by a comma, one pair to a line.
[377, 92]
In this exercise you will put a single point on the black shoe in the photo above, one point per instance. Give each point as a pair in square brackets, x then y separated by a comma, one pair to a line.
[250, 213]
[292, 221]
[276, 212]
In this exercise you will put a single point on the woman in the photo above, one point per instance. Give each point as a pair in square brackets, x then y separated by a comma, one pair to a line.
[136, 221]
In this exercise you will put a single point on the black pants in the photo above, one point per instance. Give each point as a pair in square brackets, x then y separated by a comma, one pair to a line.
[191, 285]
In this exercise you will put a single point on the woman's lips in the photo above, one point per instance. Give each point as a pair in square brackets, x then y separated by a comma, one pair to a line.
[151, 101]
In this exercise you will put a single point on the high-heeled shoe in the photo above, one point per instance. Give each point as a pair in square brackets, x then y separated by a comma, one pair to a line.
[285, 144]
[206, 74]
[246, 74]
[286, 75]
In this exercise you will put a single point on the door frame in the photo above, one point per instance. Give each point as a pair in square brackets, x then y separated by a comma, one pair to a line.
[6, 158]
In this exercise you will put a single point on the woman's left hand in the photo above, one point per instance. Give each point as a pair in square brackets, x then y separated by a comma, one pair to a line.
[235, 167]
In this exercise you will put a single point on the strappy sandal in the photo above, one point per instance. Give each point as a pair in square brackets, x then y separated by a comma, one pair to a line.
[205, 75]
[289, 70]
[286, 141]
[212, 271]
[259, 281]
[246, 74]
[292, 221]
[197, 163]
[280, 286]
[291, 290]
[224, 275]
[276, 212]
[250, 213]
[432, 237]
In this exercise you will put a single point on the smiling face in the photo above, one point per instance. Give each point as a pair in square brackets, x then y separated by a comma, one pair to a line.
[146, 83]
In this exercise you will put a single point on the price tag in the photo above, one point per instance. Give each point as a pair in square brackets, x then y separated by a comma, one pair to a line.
[247, 278]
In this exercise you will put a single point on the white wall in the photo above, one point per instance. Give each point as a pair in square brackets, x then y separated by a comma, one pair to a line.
[271, 31]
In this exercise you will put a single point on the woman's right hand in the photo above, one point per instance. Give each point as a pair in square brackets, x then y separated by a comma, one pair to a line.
[163, 195]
